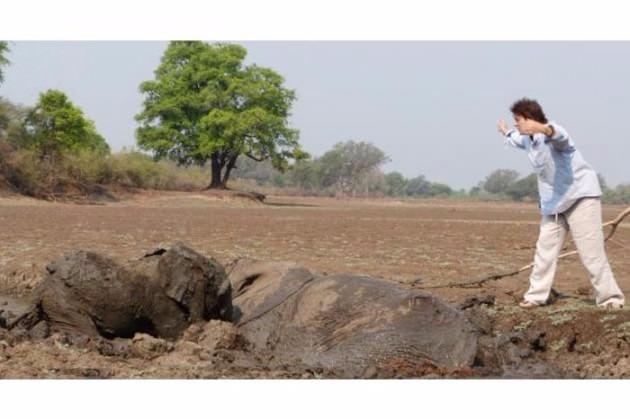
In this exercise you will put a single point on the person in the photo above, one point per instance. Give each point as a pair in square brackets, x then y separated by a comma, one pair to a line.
[570, 200]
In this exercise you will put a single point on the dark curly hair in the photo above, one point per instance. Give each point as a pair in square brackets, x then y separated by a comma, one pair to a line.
[529, 109]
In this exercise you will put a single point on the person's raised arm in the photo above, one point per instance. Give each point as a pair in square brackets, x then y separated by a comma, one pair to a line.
[556, 133]
[512, 136]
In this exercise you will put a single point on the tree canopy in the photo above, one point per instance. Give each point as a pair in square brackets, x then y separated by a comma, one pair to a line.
[396, 183]
[525, 188]
[4, 48]
[205, 105]
[500, 180]
[347, 165]
[56, 125]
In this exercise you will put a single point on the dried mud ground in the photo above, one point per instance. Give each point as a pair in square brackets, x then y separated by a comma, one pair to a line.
[417, 243]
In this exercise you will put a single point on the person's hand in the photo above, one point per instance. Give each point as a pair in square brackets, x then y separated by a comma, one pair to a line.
[529, 126]
[502, 127]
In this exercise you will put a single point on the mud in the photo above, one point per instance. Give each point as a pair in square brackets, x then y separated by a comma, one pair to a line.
[12, 310]
[160, 294]
[282, 320]
[572, 336]
[348, 326]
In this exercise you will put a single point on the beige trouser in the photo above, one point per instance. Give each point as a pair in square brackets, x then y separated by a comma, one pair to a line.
[584, 220]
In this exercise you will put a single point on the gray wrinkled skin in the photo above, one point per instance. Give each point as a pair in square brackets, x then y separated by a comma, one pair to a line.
[160, 294]
[345, 322]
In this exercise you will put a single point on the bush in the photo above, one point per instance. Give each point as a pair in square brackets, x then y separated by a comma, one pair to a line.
[619, 195]
[26, 172]
[23, 171]
[87, 167]
[137, 170]
[440, 189]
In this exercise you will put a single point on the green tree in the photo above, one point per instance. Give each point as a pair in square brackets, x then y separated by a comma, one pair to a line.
[396, 183]
[204, 104]
[525, 188]
[622, 193]
[12, 118]
[4, 48]
[348, 164]
[306, 174]
[418, 186]
[4, 111]
[5, 119]
[500, 180]
[440, 189]
[618, 195]
[56, 125]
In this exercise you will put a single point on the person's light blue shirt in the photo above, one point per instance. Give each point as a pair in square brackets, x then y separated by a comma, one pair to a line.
[563, 174]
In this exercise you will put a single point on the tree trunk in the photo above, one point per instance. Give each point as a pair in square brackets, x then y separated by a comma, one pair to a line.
[228, 170]
[216, 173]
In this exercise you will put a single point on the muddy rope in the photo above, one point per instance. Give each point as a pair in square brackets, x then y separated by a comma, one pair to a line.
[479, 282]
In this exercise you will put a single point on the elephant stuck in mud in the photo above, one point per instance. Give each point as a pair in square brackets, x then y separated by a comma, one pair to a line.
[344, 323]
[160, 294]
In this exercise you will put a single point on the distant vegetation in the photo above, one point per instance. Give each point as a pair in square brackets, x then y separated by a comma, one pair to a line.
[351, 168]
[4, 61]
[338, 173]
[53, 151]
[206, 119]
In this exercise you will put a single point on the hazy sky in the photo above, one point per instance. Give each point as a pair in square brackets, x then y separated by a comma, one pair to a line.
[431, 106]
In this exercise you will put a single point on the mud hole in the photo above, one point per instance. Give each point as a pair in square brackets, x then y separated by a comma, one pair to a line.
[175, 313]
[355, 267]
[572, 337]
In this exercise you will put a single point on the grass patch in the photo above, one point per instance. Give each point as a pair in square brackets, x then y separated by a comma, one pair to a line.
[556, 345]
[560, 319]
[522, 326]
[608, 318]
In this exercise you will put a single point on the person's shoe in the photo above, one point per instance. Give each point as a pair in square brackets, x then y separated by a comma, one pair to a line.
[527, 304]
